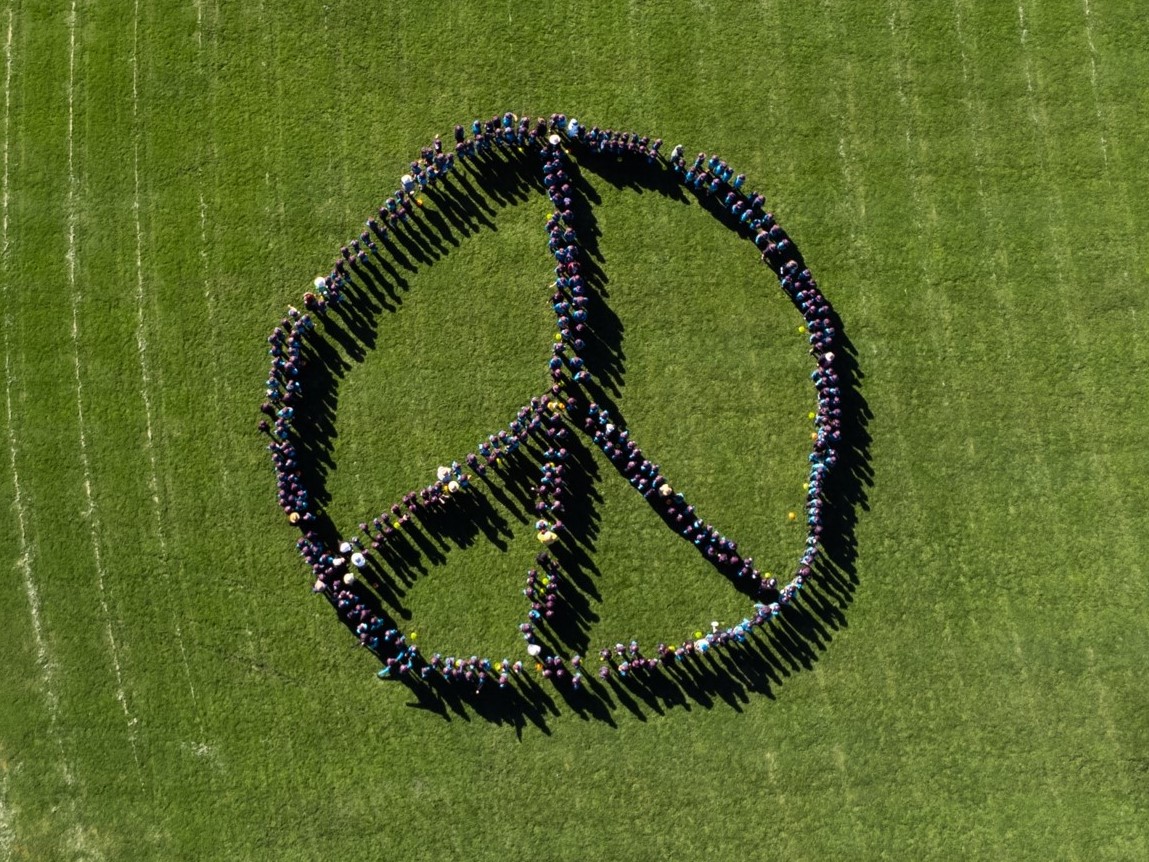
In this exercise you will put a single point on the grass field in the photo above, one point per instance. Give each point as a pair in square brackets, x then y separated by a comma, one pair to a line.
[965, 179]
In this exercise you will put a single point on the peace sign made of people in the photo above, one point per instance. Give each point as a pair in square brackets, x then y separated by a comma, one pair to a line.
[350, 566]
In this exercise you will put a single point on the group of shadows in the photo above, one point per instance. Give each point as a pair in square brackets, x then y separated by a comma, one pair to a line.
[463, 205]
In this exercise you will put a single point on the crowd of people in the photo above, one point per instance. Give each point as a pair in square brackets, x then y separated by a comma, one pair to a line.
[549, 418]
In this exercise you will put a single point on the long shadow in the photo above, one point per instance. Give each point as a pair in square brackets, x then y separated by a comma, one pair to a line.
[465, 204]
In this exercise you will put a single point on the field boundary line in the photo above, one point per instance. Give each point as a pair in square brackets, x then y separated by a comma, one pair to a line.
[91, 513]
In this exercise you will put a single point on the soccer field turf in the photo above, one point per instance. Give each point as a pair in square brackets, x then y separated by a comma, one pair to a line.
[964, 179]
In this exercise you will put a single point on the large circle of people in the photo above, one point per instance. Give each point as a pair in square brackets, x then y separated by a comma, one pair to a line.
[550, 418]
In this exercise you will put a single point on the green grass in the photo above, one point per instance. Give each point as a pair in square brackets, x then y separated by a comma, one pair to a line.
[965, 181]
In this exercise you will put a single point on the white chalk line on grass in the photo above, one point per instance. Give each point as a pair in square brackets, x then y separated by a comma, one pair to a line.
[203, 246]
[72, 193]
[85, 461]
[1093, 82]
[25, 548]
[26, 551]
[145, 367]
[1026, 65]
[1040, 122]
[1120, 184]
[7, 829]
[7, 833]
[76, 833]
[7, 116]
[24, 563]
[1101, 126]
[24, 560]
